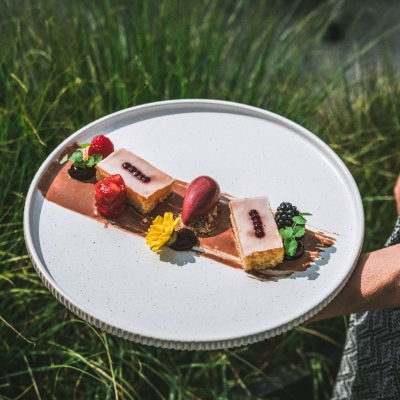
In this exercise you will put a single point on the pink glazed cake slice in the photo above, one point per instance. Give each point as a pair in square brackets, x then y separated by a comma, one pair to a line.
[256, 234]
[146, 185]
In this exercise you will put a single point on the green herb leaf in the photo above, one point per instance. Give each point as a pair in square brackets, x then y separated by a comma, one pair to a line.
[90, 162]
[286, 233]
[286, 243]
[84, 145]
[290, 234]
[76, 156]
[77, 159]
[93, 160]
[97, 158]
[299, 231]
[299, 220]
[64, 159]
[305, 214]
[292, 247]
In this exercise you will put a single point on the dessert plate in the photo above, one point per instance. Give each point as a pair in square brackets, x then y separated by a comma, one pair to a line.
[182, 300]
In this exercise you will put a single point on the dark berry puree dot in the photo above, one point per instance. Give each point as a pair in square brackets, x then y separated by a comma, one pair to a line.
[257, 223]
[136, 172]
[185, 240]
[82, 174]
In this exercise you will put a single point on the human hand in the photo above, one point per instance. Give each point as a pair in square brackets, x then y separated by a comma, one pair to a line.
[396, 192]
[374, 285]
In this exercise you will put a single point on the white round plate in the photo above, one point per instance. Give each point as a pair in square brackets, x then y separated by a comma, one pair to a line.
[111, 279]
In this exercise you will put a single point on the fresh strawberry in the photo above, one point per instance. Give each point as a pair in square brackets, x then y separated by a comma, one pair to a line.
[101, 145]
[111, 195]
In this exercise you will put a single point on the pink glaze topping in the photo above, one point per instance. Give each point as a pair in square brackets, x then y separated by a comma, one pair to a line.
[113, 165]
[201, 196]
[249, 242]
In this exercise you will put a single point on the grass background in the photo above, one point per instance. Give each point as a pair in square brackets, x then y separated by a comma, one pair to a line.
[64, 64]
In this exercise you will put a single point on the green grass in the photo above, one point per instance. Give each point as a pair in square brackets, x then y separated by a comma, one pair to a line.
[65, 64]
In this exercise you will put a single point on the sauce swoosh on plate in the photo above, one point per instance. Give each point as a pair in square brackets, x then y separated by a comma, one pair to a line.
[58, 187]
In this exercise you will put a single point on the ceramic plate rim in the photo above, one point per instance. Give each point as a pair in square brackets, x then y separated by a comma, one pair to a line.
[82, 312]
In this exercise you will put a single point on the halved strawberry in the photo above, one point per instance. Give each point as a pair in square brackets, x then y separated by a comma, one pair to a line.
[101, 145]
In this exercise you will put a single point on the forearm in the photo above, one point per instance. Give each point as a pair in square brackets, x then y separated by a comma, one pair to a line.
[396, 192]
[374, 284]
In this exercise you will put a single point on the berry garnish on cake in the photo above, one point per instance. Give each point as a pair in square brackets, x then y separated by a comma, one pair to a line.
[146, 185]
[291, 223]
[257, 223]
[199, 210]
[111, 196]
[101, 145]
[87, 156]
[256, 234]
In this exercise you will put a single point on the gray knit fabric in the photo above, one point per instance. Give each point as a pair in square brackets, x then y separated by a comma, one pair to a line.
[370, 366]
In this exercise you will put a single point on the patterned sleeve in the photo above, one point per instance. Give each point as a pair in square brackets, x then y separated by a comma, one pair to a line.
[395, 236]
[371, 356]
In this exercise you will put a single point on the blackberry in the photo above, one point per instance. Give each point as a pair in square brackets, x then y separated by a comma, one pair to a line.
[284, 214]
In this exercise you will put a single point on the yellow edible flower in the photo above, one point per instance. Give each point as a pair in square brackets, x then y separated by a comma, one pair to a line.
[161, 230]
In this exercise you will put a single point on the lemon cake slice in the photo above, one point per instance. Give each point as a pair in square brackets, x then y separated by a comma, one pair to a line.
[256, 234]
[146, 185]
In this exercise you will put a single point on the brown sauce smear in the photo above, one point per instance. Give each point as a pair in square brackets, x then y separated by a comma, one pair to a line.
[58, 187]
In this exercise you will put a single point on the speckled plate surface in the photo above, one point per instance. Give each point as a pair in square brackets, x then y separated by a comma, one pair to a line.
[179, 300]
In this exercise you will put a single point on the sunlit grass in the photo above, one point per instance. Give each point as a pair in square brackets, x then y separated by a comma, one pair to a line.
[65, 64]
